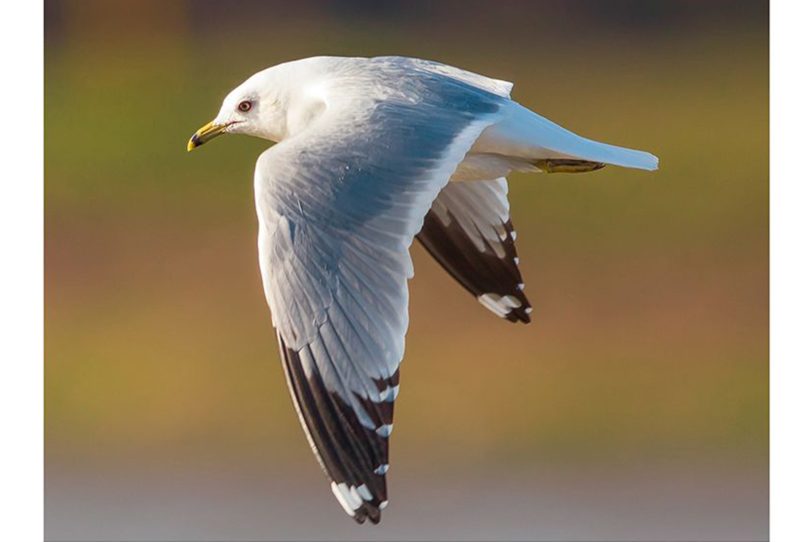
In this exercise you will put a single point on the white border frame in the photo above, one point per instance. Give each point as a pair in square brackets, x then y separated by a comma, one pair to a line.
[21, 283]
[21, 224]
[790, 269]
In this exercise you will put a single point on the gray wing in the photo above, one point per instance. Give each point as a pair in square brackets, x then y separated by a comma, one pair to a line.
[338, 209]
[469, 232]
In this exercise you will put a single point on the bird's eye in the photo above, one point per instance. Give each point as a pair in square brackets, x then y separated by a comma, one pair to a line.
[245, 106]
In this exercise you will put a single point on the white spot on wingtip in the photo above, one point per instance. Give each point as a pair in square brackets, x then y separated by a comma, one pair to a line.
[390, 393]
[382, 469]
[342, 494]
[363, 490]
[516, 260]
[500, 305]
[491, 302]
[528, 310]
[356, 497]
[383, 505]
[514, 235]
[520, 286]
[385, 430]
[511, 301]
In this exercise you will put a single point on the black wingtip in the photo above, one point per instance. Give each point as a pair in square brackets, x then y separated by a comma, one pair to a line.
[350, 453]
[368, 512]
[492, 277]
[520, 314]
[373, 513]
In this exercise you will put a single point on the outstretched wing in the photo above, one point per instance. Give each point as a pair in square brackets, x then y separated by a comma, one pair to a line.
[338, 207]
[468, 231]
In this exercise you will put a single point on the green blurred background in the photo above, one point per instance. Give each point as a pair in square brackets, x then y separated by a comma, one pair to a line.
[633, 407]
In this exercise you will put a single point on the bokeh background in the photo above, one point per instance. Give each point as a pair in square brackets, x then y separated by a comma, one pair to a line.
[633, 407]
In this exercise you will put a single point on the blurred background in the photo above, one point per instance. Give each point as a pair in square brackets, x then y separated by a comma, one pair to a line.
[633, 407]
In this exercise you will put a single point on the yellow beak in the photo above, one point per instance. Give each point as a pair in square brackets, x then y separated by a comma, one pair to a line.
[206, 133]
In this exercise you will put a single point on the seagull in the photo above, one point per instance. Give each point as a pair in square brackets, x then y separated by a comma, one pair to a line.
[369, 154]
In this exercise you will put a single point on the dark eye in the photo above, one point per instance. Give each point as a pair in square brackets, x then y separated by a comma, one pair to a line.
[245, 106]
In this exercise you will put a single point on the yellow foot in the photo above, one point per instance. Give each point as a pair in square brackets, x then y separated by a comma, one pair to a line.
[556, 165]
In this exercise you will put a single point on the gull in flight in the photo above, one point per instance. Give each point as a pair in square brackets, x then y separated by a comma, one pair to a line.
[370, 153]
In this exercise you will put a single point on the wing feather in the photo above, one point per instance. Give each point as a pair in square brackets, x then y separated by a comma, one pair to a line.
[469, 232]
[338, 206]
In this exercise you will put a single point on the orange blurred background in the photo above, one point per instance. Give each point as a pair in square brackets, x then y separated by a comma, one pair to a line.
[633, 407]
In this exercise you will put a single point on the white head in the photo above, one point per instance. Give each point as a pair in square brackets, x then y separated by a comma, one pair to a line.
[271, 104]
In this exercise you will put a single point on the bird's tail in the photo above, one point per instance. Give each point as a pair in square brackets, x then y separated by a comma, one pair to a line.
[524, 134]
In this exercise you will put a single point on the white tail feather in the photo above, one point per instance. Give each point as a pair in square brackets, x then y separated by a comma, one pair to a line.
[524, 134]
